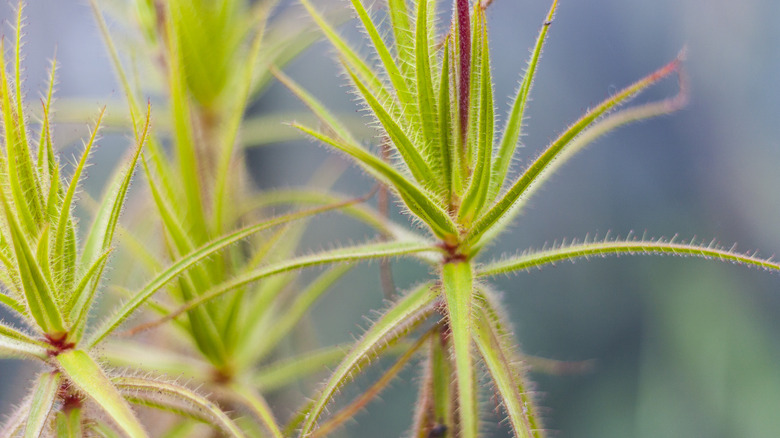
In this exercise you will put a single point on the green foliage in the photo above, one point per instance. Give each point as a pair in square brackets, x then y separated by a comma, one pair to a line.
[432, 98]
[220, 273]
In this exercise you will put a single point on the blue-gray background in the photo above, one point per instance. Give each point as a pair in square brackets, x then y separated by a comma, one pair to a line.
[683, 347]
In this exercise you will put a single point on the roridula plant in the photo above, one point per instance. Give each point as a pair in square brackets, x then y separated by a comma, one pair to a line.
[431, 97]
[214, 57]
[51, 280]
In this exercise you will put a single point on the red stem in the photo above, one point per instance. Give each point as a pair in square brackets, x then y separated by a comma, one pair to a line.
[464, 39]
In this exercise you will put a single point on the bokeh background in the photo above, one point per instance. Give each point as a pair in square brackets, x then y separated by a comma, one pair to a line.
[681, 347]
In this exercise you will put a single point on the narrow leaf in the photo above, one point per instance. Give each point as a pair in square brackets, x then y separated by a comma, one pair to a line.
[412, 154]
[287, 320]
[357, 405]
[541, 164]
[418, 202]
[404, 36]
[294, 369]
[508, 382]
[187, 158]
[191, 259]
[477, 191]
[404, 96]
[11, 347]
[178, 397]
[458, 288]
[538, 259]
[19, 166]
[394, 322]
[41, 302]
[102, 231]
[65, 213]
[588, 136]
[349, 254]
[42, 401]
[513, 129]
[88, 377]
[425, 92]
[258, 405]
[68, 424]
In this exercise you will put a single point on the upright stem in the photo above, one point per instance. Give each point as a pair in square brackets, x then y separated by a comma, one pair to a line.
[458, 283]
[464, 42]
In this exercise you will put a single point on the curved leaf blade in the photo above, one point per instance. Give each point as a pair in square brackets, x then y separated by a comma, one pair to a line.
[539, 259]
[500, 365]
[191, 259]
[88, 377]
[177, 397]
[540, 165]
[418, 202]
[42, 401]
[514, 124]
[394, 322]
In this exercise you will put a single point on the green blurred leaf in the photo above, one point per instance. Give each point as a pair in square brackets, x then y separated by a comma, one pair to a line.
[89, 378]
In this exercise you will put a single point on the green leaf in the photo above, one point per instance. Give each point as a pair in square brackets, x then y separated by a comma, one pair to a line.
[514, 124]
[426, 95]
[541, 164]
[589, 135]
[64, 222]
[155, 359]
[441, 385]
[176, 397]
[88, 280]
[189, 260]
[394, 323]
[204, 327]
[413, 155]
[258, 406]
[13, 304]
[19, 170]
[12, 347]
[42, 401]
[404, 36]
[348, 254]
[357, 405]
[187, 158]
[477, 191]
[68, 424]
[503, 369]
[405, 98]
[325, 115]
[447, 153]
[283, 372]
[458, 288]
[349, 57]
[289, 318]
[41, 301]
[575, 250]
[102, 231]
[435, 405]
[89, 378]
[234, 118]
[415, 198]
[12, 333]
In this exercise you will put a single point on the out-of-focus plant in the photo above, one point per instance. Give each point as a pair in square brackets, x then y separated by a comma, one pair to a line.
[214, 56]
[50, 283]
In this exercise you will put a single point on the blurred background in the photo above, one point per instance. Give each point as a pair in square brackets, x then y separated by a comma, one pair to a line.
[681, 347]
